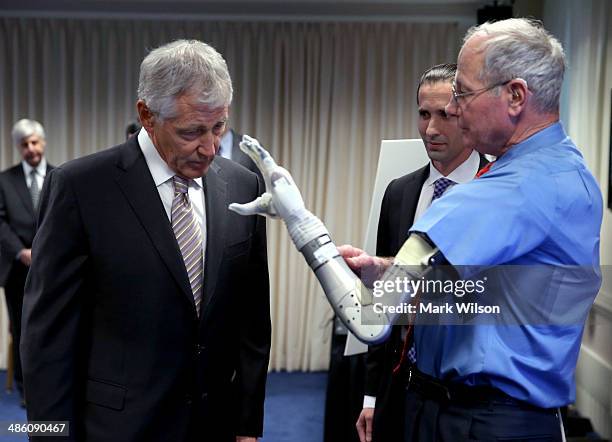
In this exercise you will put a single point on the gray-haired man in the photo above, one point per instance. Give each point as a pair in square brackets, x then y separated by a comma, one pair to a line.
[148, 319]
[538, 207]
[20, 188]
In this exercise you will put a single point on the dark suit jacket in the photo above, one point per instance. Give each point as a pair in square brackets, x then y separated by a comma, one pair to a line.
[111, 340]
[17, 217]
[397, 213]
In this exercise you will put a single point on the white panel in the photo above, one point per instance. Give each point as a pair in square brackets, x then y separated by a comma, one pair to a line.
[397, 158]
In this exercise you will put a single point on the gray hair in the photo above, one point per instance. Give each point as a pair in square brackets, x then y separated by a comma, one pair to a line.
[180, 67]
[25, 128]
[522, 48]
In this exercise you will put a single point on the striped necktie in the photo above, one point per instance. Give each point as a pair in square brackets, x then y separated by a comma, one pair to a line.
[188, 234]
[34, 189]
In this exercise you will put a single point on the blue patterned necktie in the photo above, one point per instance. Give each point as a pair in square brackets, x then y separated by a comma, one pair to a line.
[440, 186]
[188, 234]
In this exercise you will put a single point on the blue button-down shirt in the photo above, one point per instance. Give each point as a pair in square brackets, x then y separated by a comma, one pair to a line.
[537, 205]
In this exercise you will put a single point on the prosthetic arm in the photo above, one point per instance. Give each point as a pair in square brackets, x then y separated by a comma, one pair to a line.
[350, 299]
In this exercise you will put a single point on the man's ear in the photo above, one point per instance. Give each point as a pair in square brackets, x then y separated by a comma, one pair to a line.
[517, 98]
[146, 117]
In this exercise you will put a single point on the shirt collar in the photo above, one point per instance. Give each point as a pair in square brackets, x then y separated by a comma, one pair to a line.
[40, 170]
[553, 134]
[462, 174]
[160, 171]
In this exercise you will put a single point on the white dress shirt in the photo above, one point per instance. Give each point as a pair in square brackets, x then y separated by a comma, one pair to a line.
[162, 176]
[462, 174]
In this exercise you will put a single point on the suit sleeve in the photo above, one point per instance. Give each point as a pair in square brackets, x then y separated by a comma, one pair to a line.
[374, 359]
[52, 308]
[256, 331]
[10, 244]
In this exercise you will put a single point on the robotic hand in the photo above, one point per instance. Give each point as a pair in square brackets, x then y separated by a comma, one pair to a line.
[349, 298]
[282, 198]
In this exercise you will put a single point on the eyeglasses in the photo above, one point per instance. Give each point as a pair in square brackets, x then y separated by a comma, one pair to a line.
[457, 96]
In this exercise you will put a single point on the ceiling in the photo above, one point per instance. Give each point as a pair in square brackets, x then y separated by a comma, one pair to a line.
[271, 9]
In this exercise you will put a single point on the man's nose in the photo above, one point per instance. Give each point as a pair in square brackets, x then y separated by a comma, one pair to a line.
[207, 144]
[432, 128]
[452, 107]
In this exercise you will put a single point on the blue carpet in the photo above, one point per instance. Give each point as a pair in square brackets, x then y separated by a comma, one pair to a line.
[10, 411]
[295, 404]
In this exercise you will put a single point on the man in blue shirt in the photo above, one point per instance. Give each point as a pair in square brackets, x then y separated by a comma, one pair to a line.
[536, 206]
[406, 199]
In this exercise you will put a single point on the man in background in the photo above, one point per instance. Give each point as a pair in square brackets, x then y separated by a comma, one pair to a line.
[230, 149]
[132, 129]
[405, 200]
[20, 188]
[146, 313]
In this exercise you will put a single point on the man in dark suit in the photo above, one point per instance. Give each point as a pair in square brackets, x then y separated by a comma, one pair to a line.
[20, 188]
[146, 312]
[405, 200]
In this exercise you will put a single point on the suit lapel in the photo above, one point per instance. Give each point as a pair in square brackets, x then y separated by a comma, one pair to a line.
[215, 189]
[410, 200]
[136, 183]
[19, 182]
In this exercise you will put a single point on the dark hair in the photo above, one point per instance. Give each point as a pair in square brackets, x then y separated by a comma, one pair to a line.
[132, 128]
[438, 73]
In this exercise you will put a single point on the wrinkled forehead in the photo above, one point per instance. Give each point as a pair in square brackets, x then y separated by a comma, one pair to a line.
[471, 58]
[190, 106]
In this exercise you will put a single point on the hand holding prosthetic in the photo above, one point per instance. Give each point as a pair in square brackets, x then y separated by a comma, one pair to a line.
[349, 298]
